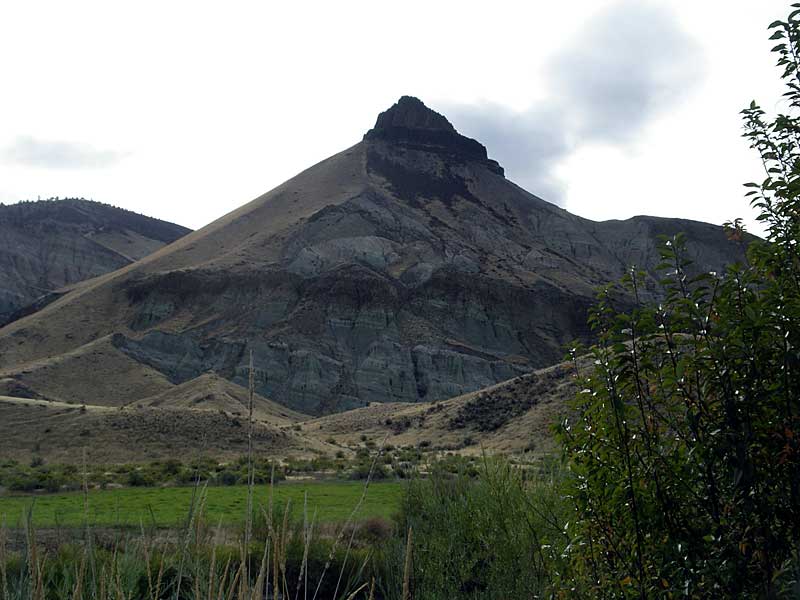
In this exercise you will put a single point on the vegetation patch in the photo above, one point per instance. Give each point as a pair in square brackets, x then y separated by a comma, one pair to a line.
[168, 507]
[490, 410]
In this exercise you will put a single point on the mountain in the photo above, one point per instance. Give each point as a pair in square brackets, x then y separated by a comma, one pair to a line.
[406, 268]
[49, 244]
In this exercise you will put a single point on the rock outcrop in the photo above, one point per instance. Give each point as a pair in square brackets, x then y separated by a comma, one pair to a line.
[411, 125]
[406, 268]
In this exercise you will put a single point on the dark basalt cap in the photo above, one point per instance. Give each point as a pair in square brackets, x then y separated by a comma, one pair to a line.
[410, 123]
[411, 113]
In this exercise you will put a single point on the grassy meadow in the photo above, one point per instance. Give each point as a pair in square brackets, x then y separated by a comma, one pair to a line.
[420, 538]
[169, 506]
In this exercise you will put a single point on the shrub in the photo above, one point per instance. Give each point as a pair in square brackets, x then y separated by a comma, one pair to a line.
[227, 478]
[362, 470]
[171, 467]
[137, 478]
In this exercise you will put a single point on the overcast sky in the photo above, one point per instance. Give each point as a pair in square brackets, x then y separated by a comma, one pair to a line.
[186, 110]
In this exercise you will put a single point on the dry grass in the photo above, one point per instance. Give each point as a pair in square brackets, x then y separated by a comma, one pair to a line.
[514, 416]
[212, 392]
[57, 432]
[210, 413]
[407, 568]
[96, 373]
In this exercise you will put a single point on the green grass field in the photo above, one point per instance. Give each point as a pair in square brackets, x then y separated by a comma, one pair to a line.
[167, 507]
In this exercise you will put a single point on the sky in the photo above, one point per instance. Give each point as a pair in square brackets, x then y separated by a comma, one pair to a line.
[186, 110]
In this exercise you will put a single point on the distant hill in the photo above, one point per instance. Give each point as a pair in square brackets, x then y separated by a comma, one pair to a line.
[48, 244]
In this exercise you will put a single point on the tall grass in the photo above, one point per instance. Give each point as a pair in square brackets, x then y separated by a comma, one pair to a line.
[273, 556]
[494, 536]
[290, 562]
[500, 534]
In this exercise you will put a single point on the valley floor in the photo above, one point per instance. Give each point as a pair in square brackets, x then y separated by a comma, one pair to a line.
[330, 502]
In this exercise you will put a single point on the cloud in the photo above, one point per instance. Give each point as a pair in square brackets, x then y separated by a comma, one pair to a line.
[630, 63]
[528, 144]
[29, 151]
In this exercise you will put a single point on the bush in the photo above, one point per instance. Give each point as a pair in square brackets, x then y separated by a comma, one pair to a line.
[227, 478]
[137, 478]
[171, 467]
[375, 531]
[362, 471]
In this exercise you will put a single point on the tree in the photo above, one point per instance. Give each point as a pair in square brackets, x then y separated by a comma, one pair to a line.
[685, 447]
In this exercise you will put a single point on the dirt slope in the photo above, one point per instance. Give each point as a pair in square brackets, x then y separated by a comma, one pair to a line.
[59, 432]
[212, 392]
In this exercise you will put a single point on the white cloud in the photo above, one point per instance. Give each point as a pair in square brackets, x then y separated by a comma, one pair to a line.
[28, 151]
[628, 64]
[625, 66]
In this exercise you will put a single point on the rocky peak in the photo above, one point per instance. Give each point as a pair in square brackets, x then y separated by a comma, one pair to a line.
[411, 113]
[411, 124]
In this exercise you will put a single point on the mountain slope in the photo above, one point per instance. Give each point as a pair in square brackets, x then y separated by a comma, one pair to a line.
[49, 244]
[513, 416]
[59, 432]
[405, 268]
[211, 392]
